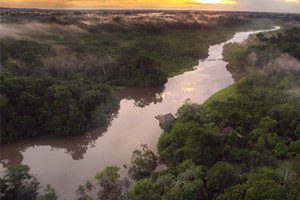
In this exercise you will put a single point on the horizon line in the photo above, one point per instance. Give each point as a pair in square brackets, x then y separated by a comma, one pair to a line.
[147, 8]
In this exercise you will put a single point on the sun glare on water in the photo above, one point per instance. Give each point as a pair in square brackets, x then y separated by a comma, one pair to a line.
[216, 1]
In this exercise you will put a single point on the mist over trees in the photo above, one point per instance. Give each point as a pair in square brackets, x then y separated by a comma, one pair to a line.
[242, 145]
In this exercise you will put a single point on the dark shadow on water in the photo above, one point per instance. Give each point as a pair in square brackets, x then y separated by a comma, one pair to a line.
[77, 146]
[143, 96]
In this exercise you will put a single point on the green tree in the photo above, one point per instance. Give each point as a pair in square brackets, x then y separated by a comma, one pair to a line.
[18, 184]
[281, 150]
[236, 192]
[205, 147]
[266, 189]
[190, 111]
[268, 124]
[186, 190]
[221, 176]
[172, 146]
[295, 146]
[296, 165]
[143, 163]
[188, 186]
[111, 186]
[49, 194]
[83, 190]
[142, 190]
[163, 183]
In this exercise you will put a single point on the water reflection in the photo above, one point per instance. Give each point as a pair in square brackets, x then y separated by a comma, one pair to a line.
[143, 96]
[11, 154]
[65, 162]
[76, 146]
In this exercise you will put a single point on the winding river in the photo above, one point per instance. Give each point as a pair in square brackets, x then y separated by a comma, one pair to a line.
[66, 162]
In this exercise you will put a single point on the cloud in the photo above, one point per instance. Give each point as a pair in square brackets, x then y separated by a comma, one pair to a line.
[293, 1]
[268, 5]
[252, 5]
[217, 1]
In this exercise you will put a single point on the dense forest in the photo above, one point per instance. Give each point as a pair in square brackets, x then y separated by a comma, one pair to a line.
[36, 100]
[242, 144]
[59, 77]
[245, 144]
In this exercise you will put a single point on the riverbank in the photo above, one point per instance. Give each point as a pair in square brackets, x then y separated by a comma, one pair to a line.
[206, 142]
[243, 59]
[84, 62]
[246, 136]
[127, 132]
[136, 113]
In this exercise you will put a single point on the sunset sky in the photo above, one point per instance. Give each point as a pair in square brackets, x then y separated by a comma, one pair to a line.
[253, 5]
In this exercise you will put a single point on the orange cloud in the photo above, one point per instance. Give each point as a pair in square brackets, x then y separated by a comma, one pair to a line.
[267, 5]
[293, 1]
[95, 3]
[217, 1]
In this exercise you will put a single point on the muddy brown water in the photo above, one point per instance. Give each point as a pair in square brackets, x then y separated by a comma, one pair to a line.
[66, 162]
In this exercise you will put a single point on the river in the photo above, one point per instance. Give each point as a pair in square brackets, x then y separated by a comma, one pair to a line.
[66, 162]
